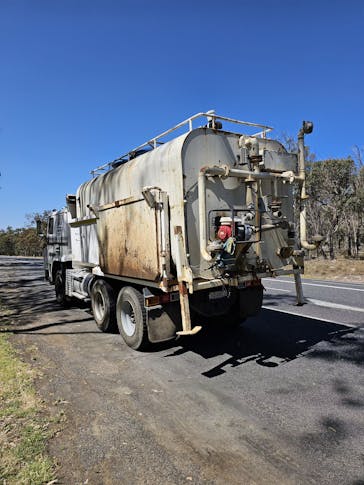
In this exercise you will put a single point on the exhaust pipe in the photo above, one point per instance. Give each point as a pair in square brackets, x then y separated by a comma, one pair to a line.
[307, 127]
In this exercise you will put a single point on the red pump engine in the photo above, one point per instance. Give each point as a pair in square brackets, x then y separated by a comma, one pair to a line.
[224, 231]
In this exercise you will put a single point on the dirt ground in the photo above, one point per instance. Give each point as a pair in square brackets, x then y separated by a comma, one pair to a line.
[277, 401]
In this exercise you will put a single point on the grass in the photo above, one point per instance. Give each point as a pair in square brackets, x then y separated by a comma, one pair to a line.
[23, 431]
[340, 269]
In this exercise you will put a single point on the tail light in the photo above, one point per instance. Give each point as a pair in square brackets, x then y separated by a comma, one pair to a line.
[161, 299]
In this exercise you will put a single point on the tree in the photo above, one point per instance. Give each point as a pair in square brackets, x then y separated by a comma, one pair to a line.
[336, 201]
[7, 241]
[43, 217]
[24, 241]
[336, 204]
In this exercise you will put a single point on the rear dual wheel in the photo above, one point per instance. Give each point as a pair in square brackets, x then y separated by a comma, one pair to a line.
[132, 318]
[103, 305]
[127, 313]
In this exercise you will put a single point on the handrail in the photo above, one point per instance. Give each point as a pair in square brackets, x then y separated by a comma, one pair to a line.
[154, 142]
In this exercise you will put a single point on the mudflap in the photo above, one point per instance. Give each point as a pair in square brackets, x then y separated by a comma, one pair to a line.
[163, 322]
[250, 301]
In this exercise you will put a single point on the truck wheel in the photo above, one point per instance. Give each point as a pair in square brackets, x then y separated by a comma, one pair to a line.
[103, 306]
[60, 289]
[132, 318]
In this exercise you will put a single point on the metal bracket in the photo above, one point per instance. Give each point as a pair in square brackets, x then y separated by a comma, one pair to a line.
[184, 276]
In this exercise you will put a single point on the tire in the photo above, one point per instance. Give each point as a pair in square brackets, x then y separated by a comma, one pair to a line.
[103, 306]
[60, 289]
[132, 318]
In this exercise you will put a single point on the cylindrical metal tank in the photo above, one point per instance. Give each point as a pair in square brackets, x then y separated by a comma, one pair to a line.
[127, 230]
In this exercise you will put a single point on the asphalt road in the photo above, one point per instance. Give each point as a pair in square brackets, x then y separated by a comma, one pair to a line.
[341, 303]
[279, 400]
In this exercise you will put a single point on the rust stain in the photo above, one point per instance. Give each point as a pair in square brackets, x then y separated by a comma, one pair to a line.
[130, 247]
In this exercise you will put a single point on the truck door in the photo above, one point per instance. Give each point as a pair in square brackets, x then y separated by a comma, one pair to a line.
[50, 252]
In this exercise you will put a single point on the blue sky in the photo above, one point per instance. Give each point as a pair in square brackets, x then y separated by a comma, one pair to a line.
[82, 82]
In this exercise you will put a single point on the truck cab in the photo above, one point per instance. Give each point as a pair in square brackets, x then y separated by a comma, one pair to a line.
[58, 252]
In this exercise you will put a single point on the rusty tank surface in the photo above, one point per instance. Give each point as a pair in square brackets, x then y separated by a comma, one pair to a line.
[188, 226]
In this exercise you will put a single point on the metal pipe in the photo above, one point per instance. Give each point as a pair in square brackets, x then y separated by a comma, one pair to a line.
[303, 196]
[202, 216]
[299, 291]
[163, 238]
[223, 171]
[303, 230]
[226, 171]
[301, 155]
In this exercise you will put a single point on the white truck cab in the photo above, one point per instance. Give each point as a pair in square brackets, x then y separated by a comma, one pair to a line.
[58, 252]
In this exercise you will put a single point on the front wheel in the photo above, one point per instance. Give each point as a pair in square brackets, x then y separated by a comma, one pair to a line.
[60, 289]
[132, 318]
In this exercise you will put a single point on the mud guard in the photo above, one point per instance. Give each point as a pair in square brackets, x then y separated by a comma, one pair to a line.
[163, 322]
[250, 301]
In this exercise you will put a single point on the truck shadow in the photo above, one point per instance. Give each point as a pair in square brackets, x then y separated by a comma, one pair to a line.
[272, 339]
[35, 300]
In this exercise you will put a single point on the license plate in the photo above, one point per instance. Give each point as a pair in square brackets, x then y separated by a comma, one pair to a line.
[215, 295]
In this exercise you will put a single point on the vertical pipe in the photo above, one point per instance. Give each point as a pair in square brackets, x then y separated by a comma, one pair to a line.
[303, 196]
[299, 289]
[202, 216]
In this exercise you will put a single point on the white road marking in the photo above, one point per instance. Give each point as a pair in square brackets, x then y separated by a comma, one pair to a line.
[328, 304]
[277, 289]
[351, 283]
[296, 314]
[324, 286]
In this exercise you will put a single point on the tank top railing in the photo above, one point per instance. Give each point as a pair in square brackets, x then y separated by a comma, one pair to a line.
[212, 122]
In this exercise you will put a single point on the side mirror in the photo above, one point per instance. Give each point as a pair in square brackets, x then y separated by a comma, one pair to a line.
[39, 227]
[307, 127]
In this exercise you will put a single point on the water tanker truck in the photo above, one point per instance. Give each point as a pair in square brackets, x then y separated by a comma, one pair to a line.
[181, 230]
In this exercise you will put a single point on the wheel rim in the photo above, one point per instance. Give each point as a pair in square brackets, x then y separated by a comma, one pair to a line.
[99, 306]
[128, 318]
